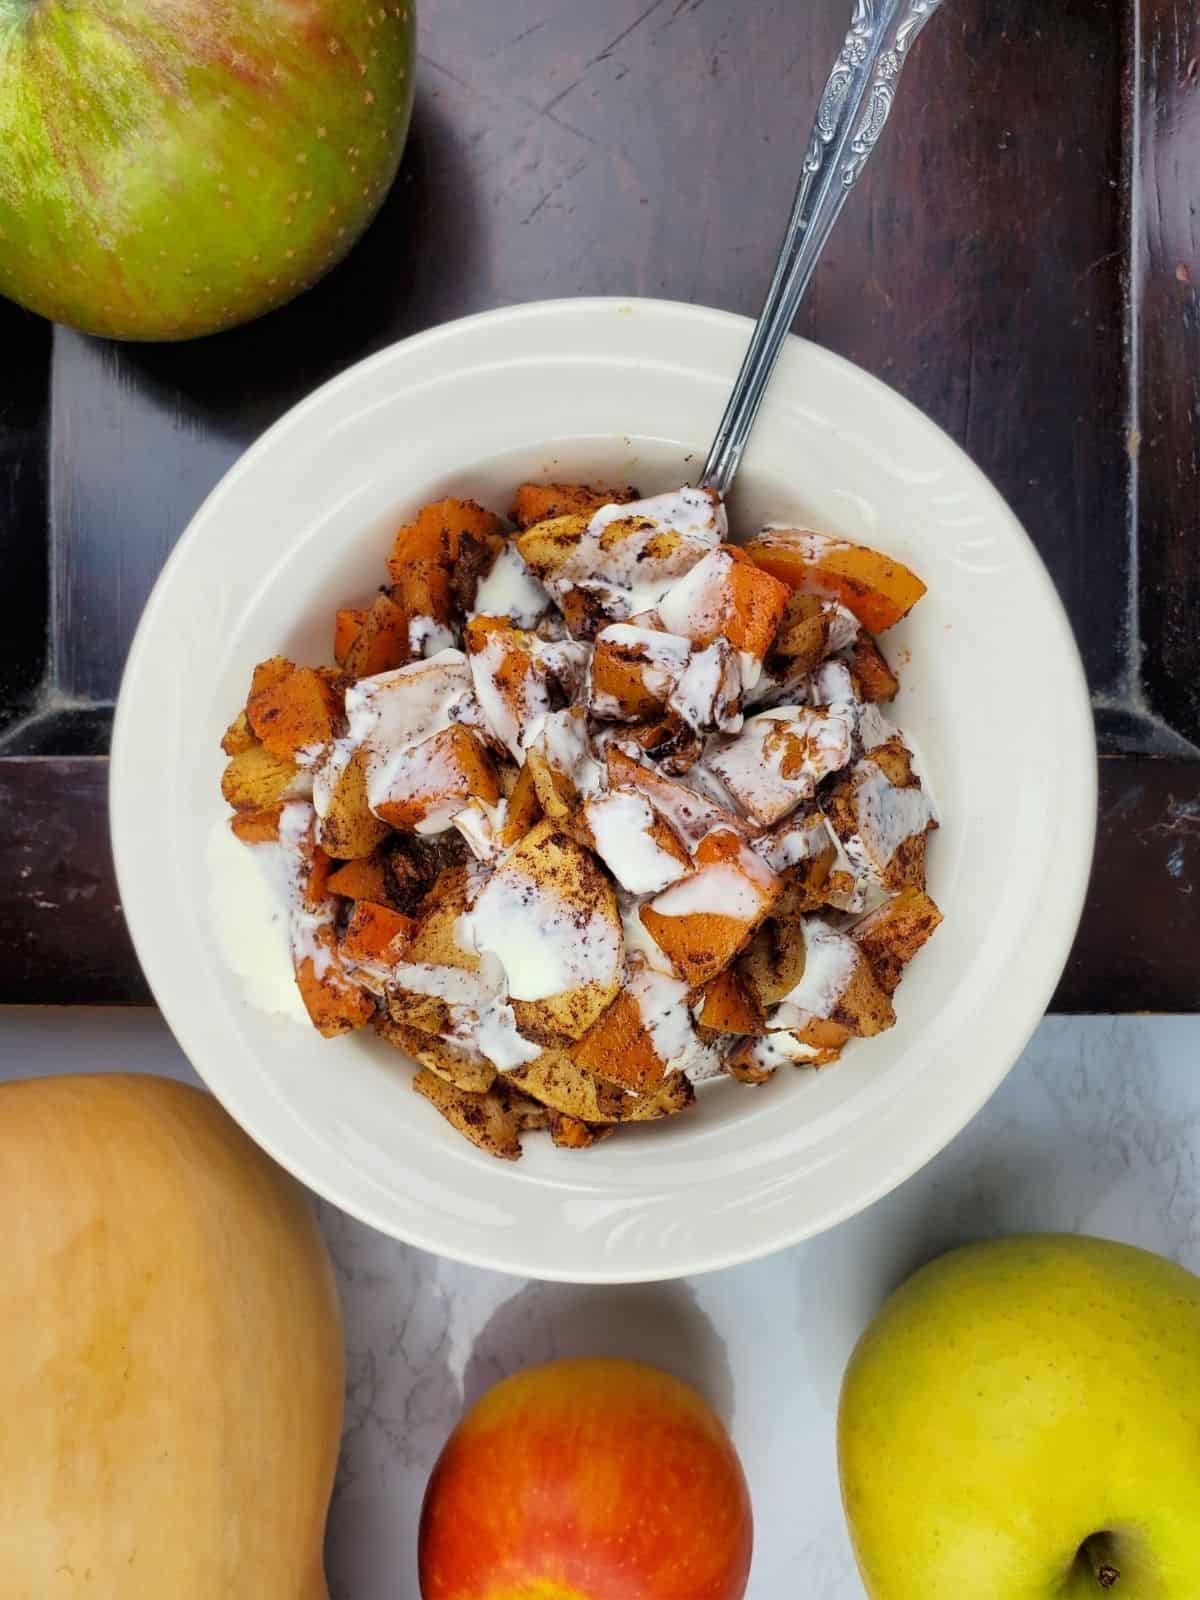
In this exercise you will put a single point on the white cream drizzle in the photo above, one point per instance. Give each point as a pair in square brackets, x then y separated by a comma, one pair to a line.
[545, 946]
[511, 590]
[621, 824]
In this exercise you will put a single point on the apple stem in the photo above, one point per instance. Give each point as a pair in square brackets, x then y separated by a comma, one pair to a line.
[1096, 1551]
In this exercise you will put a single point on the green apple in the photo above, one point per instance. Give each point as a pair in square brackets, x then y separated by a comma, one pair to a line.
[1021, 1421]
[171, 167]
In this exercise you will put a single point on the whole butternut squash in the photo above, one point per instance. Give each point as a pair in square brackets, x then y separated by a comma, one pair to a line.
[170, 1352]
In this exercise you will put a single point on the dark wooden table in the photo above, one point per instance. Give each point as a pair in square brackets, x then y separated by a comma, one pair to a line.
[1021, 260]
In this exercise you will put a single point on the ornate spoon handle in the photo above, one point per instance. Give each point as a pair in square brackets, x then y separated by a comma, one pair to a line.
[850, 118]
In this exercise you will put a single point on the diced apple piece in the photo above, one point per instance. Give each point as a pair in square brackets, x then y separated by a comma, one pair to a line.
[512, 685]
[349, 829]
[549, 917]
[836, 986]
[430, 781]
[876, 588]
[522, 810]
[891, 935]
[540, 502]
[773, 963]
[558, 1081]
[638, 847]
[562, 765]
[873, 677]
[561, 1083]
[781, 756]
[634, 671]
[485, 1119]
[726, 596]
[882, 815]
[257, 827]
[254, 779]
[757, 1060]
[438, 939]
[692, 815]
[457, 1064]
[238, 736]
[623, 559]
[803, 852]
[803, 632]
[702, 922]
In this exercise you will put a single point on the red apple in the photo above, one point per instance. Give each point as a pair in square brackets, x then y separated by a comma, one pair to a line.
[171, 167]
[587, 1480]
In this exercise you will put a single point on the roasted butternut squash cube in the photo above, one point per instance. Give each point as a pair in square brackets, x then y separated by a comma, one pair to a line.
[539, 502]
[878, 589]
[423, 589]
[347, 625]
[704, 920]
[429, 782]
[730, 1006]
[376, 933]
[634, 671]
[726, 596]
[362, 879]
[568, 1133]
[293, 711]
[619, 1048]
[522, 809]
[439, 531]
[381, 643]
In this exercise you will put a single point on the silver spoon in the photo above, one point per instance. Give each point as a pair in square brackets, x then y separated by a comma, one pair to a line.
[849, 120]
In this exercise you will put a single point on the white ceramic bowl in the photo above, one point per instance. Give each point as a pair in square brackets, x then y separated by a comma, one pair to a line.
[993, 694]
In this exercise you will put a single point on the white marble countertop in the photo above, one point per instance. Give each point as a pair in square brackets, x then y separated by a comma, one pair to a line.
[1097, 1129]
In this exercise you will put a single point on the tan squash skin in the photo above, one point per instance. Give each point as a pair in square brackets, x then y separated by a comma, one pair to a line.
[171, 1356]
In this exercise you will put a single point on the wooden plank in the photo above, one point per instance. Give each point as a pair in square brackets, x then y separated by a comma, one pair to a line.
[1167, 305]
[24, 419]
[63, 938]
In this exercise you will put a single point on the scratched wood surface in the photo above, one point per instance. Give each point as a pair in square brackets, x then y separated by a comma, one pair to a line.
[1021, 262]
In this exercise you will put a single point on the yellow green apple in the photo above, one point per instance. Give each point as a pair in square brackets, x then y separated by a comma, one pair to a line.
[1021, 1421]
[171, 167]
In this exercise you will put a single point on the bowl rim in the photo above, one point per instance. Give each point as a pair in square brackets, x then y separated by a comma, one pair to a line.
[1070, 886]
